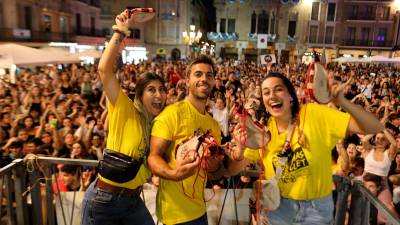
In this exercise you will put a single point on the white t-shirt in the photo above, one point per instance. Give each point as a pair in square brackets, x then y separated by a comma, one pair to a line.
[366, 90]
[222, 117]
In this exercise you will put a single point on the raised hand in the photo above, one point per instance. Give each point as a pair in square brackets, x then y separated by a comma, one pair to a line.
[336, 89]
[122, 23]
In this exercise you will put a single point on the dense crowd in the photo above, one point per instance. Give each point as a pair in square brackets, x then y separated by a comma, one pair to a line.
[63, 113]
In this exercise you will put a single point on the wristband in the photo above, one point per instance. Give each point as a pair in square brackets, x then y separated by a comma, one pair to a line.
[126, 32]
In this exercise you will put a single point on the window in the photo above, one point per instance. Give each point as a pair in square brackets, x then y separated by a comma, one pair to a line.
[331, 11]
[368, 13]
[222, 26]
[292, 28]
[315, 11]
[263, 20]
[105, 31]
[92, 26]
[78, 23]
[329, 35]
[382, 31]
[231, 25]
[313, 34]
[63, 24]
[354, 12]
[385, 13]
[351, 35]
[253, 22]
[136, 33]
[365, 31]
[105, 8]
[47, 23]
[28, 17]
[272, 24]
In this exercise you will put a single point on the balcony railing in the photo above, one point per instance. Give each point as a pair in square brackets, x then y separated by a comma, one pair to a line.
[364, 16]
[6, 34]
[367, 43]
[85, 31]
[95, 3]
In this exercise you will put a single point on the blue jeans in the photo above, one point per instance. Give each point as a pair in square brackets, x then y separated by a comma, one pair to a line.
[307, 212]
[199, 221]
[103, 208]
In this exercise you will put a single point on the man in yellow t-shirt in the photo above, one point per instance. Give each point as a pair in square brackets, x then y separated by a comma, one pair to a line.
[180, 195]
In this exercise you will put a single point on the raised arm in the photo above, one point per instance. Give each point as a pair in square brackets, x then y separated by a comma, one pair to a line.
[111, 84]
[343, 157]
[392, 150]
[361, 121]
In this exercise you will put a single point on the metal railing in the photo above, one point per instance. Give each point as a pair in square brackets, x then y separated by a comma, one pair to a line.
[13, 179]
[6, 34]
[367, 43]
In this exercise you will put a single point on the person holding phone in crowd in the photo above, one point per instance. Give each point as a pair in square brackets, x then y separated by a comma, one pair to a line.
[114, 197]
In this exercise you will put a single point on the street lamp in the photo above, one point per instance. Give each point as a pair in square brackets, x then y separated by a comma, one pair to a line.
[192, 38]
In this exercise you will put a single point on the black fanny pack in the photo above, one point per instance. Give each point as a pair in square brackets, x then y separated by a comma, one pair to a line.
[118, 167]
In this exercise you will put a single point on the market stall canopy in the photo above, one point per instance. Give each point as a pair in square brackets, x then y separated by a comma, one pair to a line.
[62, 55]
[23, 56]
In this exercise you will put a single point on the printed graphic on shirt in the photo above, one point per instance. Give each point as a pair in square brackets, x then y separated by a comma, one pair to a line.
[295, 166]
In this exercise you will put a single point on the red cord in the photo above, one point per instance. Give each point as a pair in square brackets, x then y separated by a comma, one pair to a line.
[204, 178]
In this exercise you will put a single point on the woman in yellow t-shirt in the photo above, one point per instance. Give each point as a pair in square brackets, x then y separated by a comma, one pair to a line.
[114, 197]
[306, 181]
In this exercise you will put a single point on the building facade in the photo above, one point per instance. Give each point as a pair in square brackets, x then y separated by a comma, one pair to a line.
[161, 36]
[353, 28]
[295, 28]
[38, 22]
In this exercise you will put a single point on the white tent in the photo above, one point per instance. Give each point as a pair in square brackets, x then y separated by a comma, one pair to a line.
[22, 56]
[90, 53]
[378, 59]
[348, 60]
[5, 61]
[61, 55]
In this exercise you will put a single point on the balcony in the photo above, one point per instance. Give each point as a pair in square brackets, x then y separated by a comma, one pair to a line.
[368, 17]
[95, 3]
[6, 34]
[85, 31]
[366, 43]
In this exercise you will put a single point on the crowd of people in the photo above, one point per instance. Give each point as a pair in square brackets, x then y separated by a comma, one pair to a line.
[63, 113]
[101, 111]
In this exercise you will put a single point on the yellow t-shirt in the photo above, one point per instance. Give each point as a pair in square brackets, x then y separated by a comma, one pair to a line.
[308, 173]
[175, 203]
[126, 136]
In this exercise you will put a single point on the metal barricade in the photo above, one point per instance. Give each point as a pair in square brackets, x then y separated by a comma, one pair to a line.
[12, 185]
[14, 196]
[361, 203]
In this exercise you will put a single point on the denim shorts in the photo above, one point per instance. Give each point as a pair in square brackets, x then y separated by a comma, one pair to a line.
[305, 212]
[103, 208]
